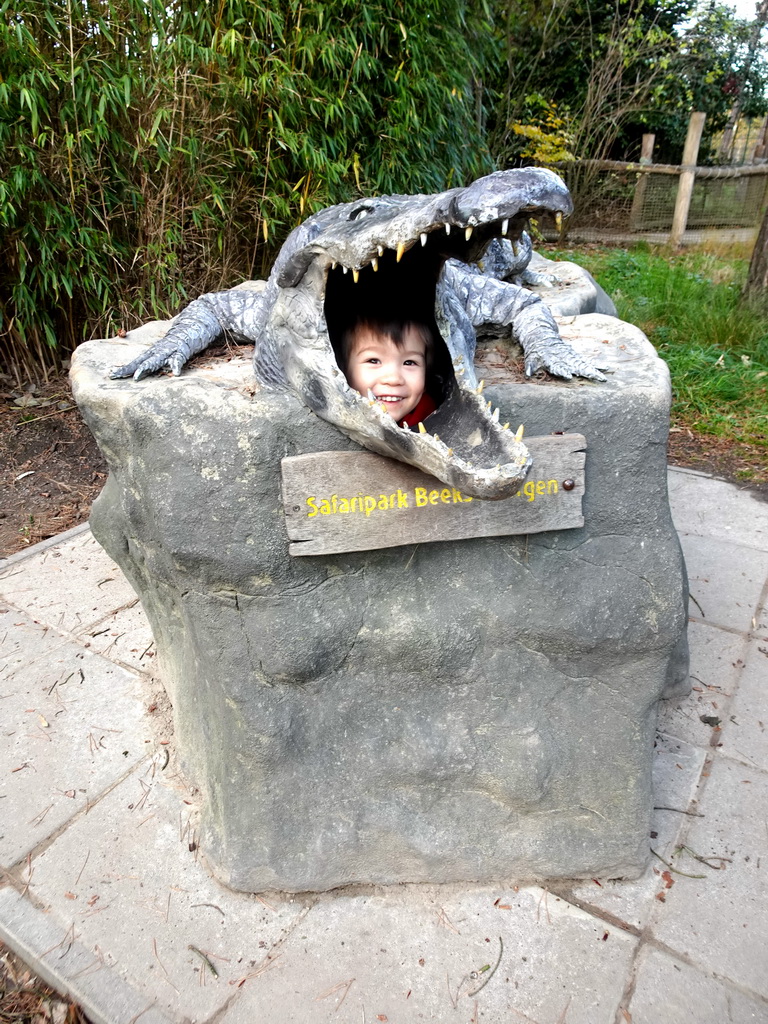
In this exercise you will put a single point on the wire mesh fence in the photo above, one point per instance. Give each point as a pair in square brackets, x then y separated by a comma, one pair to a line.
[622, 200]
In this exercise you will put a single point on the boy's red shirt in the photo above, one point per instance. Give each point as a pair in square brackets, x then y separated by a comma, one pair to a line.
[423, 409]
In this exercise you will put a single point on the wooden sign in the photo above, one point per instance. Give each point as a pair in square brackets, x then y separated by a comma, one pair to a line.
[355, 501]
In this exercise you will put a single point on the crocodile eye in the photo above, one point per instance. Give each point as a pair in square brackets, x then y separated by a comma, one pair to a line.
[360, 211]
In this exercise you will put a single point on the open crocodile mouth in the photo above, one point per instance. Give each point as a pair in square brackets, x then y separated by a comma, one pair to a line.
[381, 259]
[398, 284]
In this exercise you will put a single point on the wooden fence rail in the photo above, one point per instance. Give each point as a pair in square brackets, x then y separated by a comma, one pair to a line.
[747, 171]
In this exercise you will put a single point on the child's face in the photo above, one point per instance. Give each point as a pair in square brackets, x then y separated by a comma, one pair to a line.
[395, 375]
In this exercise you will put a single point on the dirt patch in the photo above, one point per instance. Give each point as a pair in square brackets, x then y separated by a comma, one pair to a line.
[741, 464]
[51, 468]
[25, 999]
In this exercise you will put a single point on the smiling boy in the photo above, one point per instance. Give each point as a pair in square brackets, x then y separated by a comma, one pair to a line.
[391, 361]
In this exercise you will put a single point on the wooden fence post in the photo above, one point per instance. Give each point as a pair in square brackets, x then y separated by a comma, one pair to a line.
[760, 147]
[687, 176]
[646, 157]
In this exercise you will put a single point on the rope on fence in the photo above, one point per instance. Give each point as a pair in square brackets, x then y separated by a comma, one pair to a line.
[745, 171]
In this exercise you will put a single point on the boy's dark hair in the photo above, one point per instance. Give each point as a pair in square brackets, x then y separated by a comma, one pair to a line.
[392, 329]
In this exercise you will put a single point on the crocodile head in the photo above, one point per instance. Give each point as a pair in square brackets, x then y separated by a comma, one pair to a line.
[383, 257]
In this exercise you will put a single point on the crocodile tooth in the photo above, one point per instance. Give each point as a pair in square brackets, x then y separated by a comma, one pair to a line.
[436, 437]
[345, 269]
[468, 232]
[423, 237]
[515, 248]
[495, 415]
[488, 404]
[450, 451]
[380, 250]
[355, 275]
[505, 427]
[519, 433]
[447, 228]
[479, 388]
[400, 250]
[505, 226]
[371, 395]
[422, 428]
[334, 265]
[375, 264]
[559, 220]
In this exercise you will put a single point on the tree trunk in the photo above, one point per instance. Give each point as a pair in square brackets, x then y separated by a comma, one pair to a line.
[760, 145]
[726, 143]
[756, 287]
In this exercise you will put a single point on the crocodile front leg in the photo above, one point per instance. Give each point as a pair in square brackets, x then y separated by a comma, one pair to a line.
[491, 302]
[236, 313]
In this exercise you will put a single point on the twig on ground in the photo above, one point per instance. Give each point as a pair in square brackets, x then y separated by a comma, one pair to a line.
[37, 419]
[679, 810]
[346, 985]
[82, 869]
[491, 970]
[162, 966]
[38, 818]
[205, 960]
[544, 897]
[703, 860]
[454, 1000]
[697, 605]
[673, 868]
[210, 905]
[561, 1018]
[445, 921]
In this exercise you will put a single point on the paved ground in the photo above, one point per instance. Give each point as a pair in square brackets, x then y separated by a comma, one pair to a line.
[103, 890]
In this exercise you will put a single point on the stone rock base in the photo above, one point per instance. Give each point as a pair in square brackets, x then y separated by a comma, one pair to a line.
[469, 711]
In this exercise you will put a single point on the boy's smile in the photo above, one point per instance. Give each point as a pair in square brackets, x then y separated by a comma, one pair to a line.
[395, 375]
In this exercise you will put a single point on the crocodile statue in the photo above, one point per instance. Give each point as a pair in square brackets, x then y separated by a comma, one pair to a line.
[449, 260]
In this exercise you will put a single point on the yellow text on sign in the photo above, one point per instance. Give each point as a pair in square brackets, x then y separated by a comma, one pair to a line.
[367, 503]
[419, 497]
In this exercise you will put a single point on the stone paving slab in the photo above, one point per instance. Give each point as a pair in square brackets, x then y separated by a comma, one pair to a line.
[707, 507]
[745, 733]
[124, 637]
[72, 724]
[22, 641]
[720, 921]
[67, 587]
[420, 954]
[69, 968]
[726, 581]
[676, 769]
[718, 658]
[125, 880]
[669, 991]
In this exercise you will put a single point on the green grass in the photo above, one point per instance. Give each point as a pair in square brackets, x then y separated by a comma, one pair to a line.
[689, 305]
